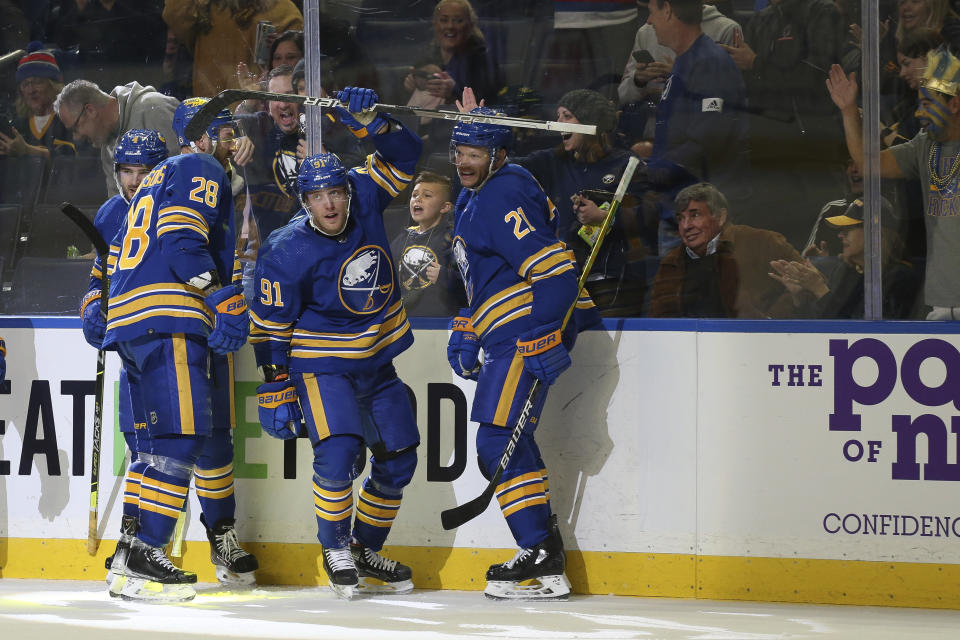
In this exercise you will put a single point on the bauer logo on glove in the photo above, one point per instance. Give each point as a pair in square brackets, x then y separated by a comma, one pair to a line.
[274, 400]
[232, 306]
[541, 344]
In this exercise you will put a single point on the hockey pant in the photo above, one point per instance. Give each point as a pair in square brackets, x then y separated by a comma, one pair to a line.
[170, 391]
[502, 389]
[345, 415]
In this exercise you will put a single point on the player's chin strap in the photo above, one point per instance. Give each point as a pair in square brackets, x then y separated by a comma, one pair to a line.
[490, 171]
[116, 179]
[196, 149]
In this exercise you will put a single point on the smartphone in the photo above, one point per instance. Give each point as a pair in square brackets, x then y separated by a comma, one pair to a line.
[6, 127]
[261, 49]
[642, 56]
[598, 196]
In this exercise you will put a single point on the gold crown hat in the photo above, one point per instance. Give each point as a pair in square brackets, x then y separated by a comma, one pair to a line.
[943, 71]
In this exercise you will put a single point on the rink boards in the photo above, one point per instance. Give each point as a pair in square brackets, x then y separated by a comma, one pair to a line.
[809, 462]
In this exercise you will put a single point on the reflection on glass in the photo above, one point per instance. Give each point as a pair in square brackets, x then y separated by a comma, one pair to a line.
[730, 99]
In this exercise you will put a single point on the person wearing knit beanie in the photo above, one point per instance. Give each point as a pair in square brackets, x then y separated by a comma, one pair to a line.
[38, 64]
[587, 107]
[591, 107]
[36, 131]
[579, 176]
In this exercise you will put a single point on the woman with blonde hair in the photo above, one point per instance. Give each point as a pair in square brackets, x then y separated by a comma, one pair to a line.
[457, 57]
[931, 14]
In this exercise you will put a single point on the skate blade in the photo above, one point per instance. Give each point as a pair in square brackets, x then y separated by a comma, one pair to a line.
[111, 576]
[544, 588]
[228, 578]
[344, 591]
[371, 586]
[143, 590]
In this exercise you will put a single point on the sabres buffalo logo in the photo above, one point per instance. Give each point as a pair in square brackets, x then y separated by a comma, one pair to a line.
[366, 280]
[413, 267]
[285, 168]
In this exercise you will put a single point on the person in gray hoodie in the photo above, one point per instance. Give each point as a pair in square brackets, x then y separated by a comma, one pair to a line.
[101, 118]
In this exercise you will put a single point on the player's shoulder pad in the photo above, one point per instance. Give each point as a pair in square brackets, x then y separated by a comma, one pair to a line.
[511, 185]
[109, 212]
[287, 245]
[189, 166]
[112, 203]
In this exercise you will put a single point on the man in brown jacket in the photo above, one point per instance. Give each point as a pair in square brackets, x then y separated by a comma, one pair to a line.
[721, 270]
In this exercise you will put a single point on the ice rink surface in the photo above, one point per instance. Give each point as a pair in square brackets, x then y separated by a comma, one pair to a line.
[69, 610]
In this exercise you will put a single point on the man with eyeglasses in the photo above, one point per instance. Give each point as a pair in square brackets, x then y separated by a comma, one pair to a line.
[101, 118]
[325, 326]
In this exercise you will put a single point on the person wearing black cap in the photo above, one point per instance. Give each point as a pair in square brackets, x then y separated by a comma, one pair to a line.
[580, 175]
[840, 293]
[37, 131]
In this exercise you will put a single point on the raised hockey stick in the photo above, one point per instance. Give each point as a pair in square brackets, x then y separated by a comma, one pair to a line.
[202, 119]
[456, 516]
[103, 251]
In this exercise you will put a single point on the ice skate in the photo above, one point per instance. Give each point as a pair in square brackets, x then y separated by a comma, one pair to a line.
[540, 567]
[148, 575]
[378, 574]
[235, 565]
[341, 571]
[114, 564]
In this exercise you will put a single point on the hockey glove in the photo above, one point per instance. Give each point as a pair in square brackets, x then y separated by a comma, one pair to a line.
[463, 348]
[94, 324]
[544, 355]
[279, 409]
[231, 323]
[356, 115]
[3, 360]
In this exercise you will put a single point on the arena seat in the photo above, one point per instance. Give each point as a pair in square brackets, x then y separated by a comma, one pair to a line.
[48, 286]
[20, 181]
[77, 180]
[51, 233]
[10, 219]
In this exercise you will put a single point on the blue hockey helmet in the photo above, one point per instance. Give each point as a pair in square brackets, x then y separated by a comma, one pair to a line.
[322, 171]
[184, 114]
[141, 146]
[482, 134]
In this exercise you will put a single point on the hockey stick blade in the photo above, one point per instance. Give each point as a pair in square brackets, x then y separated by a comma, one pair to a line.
[461, 514]
[202, 119]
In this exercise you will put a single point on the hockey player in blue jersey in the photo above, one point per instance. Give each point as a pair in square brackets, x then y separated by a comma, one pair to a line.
[136, 154]
[214, 472]
[171, 302]
[326, 325]
[520, 281]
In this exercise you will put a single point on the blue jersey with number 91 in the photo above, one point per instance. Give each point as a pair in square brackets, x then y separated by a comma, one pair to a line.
[178, 225]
